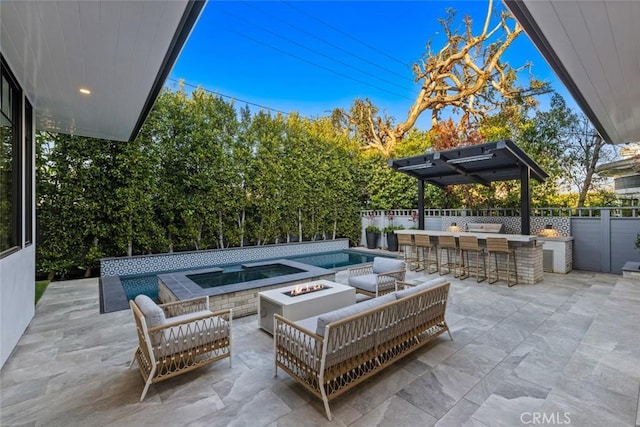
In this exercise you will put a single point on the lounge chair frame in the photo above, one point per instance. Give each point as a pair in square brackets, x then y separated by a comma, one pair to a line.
[180, 346]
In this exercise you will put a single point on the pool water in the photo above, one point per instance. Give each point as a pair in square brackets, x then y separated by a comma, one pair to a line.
[221, 278]
[148, 283]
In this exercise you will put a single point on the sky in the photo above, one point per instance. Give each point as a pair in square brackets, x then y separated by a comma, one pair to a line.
[314, 56]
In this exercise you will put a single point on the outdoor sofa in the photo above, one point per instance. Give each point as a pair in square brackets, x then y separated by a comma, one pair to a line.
[178, 337]
[333, 352]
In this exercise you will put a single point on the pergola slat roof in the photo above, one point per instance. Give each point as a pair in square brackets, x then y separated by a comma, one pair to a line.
[474, 164]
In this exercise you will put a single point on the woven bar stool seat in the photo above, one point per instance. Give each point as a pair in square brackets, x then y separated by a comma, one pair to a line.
[407, 245]
[447, 244]
[469, 244]
[429, 251]
[500, 246]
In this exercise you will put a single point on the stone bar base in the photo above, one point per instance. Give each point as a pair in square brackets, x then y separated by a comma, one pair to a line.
[528, 262]
[528, 251]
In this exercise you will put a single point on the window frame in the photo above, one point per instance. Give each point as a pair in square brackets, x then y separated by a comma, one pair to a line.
[28, 172]
[17, 209]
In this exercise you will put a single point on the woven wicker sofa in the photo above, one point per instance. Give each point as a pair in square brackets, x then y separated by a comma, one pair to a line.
[178, 337]
[331, 353]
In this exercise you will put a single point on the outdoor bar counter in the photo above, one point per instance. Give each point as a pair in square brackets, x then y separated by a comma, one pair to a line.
[528, 250]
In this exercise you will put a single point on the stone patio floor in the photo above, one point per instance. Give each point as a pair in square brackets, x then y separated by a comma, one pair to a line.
[565, 351]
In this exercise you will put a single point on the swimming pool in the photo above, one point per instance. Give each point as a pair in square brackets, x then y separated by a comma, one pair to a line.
[116, 291]
[148, 283]
[214, 279]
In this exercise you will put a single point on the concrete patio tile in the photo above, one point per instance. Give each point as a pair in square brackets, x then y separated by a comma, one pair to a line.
[435, 354]
[379, 388]
[458, 415]
[607, 369]
[619, 405]
[578, 412]
[502, 381]
[438, 390]
[542, 365]
[260, 409]
[395, 412]
[476, 359]
[498, 411]
[567, 344]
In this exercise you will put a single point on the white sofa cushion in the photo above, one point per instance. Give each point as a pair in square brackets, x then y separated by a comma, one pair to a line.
[310, 323]
[153, 315]
[421, 287]
[385, 265]
[341, 313]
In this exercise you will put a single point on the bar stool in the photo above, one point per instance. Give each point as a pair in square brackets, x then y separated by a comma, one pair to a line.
[429, 251]
[448, 244]
[499, 245]
[470, 244]
[406, 243]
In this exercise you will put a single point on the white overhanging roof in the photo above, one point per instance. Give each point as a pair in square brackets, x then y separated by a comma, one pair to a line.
[594, 48]
[121, 51]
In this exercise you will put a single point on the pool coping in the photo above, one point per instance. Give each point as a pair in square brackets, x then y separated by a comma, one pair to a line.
[182, 287]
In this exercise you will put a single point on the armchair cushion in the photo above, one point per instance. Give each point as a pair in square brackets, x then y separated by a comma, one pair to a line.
[366, 282]
[188, 316]
[153, 314]
[383, 265]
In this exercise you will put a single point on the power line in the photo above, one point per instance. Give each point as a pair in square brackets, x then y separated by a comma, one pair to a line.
[227, 96]
[317, 53]
[310, 34]
[303, 12]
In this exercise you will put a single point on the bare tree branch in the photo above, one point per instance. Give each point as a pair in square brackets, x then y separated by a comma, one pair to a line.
[465, 74]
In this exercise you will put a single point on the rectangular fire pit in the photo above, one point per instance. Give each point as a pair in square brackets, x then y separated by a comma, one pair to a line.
[322, 296]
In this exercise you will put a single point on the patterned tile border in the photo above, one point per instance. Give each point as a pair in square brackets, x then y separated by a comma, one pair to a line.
[512, 224]
[185, 260]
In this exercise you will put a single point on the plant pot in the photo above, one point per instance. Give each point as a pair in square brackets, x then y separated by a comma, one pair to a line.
[392, 242]
[372, 239]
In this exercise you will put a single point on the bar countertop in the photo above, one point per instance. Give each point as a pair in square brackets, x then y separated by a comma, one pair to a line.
[510, 237]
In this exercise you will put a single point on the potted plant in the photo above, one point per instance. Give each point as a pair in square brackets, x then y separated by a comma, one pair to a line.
[373, 233]
[392, 238]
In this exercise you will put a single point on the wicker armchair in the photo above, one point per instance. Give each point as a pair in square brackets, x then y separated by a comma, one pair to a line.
[378, 278]
[178, 337]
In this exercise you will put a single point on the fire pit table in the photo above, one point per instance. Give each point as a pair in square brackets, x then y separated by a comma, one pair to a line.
[297, 302]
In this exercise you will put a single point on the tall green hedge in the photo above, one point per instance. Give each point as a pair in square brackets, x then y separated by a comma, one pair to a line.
[201, 174]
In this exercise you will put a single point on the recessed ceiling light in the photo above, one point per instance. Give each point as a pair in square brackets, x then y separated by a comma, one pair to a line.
[85, 91]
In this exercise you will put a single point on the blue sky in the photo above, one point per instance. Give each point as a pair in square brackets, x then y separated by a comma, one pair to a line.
[311, 57]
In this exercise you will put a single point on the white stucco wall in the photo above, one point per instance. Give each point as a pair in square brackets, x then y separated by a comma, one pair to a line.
[17, 294]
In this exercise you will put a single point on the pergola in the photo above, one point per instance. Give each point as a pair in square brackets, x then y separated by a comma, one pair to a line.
[474, 164]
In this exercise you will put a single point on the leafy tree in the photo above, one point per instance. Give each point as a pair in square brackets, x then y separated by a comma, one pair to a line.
[466, 75]
[584, 149]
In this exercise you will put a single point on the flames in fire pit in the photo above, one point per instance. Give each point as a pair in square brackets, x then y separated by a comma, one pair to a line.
[306, 289]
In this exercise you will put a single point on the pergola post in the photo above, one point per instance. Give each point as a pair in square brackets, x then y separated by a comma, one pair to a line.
[420, 204]
[525, 200]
